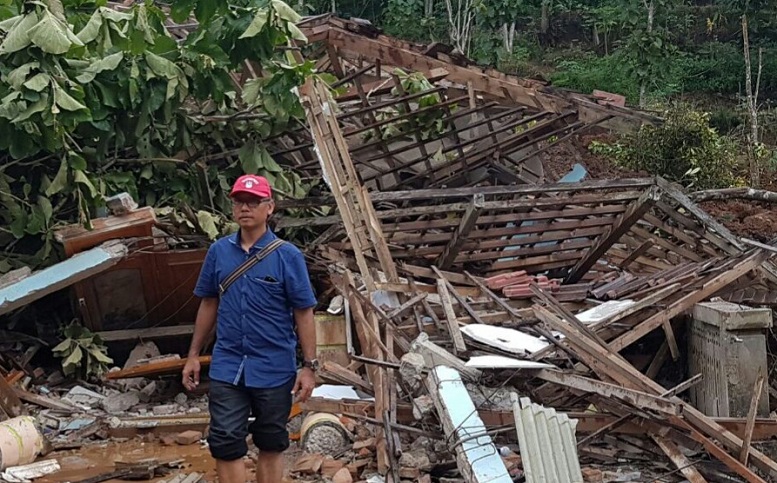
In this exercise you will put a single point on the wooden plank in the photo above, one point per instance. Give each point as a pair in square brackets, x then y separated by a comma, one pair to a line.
[366, 323]
[408, 59]
[10, 403]
[734, 247]
[658, 360]
[751, 413]
[45, 402]
[678, 458]
[146, 333]
[335, 372]
[76, 238]
[407, 305]
[639, 251]
[636, 398]
[633, 213]
[466, 225]
[726, 458]
[61, 275]
[450, 317]
[161, 368]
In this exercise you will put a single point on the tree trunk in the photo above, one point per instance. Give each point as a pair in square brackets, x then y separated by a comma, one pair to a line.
[545, 20]
[429, 8]
[752, 106]
[595, 35]
[461, 20]
[508, 36]
[651, 10]
[734, 193]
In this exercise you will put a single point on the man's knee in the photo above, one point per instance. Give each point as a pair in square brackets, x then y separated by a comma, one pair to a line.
[230, 407]
[276, 442]
[226, 447]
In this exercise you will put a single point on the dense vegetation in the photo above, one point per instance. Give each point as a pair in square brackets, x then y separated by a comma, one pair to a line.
[96, 100]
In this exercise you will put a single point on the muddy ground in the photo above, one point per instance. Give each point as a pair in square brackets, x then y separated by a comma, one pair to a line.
[98, 458]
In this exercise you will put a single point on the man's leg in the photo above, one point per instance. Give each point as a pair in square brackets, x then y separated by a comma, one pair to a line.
[229, 407]
[269, 467]
[271, 408]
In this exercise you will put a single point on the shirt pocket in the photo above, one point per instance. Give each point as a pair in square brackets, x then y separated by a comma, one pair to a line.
[269, 287]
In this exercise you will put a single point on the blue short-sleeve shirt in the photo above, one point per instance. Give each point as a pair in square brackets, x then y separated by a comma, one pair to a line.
[255, 336]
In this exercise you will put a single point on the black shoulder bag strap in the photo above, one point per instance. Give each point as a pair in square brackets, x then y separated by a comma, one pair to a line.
[245, 266]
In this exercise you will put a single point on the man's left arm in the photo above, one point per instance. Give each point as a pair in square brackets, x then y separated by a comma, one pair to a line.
[303, 301]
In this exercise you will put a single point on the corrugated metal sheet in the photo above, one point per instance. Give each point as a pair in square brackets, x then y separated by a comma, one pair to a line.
[547, 442]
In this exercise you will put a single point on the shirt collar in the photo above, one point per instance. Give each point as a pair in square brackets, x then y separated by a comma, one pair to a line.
[260, 243]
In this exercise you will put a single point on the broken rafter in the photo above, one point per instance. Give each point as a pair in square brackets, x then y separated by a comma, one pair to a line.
[633, 213]
[707, 290]
[466, 225]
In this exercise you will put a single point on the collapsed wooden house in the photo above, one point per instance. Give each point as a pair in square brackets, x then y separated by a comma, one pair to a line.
[640, 244]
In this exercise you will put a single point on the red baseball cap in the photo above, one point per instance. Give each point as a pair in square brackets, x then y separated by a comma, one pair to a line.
[252, 184]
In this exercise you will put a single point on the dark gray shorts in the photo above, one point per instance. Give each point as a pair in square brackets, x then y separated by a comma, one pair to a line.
[231, 406]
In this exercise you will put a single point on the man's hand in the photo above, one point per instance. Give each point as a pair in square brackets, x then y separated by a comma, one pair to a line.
[191, 373]
[306, 381]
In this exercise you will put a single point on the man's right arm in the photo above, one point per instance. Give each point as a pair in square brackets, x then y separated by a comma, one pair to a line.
[207, 290]
[203, 329]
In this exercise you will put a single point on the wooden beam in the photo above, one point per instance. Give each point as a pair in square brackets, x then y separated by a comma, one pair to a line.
[450, 317]
[468, 220]
[339, 374]
[678, 458]
[633, 213]
[10, 403]
[636, 398]
[751, 413]
[164, 367]
[349, 42]
[726, 458]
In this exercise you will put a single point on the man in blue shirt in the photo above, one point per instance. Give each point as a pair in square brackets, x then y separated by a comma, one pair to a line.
[253, 369]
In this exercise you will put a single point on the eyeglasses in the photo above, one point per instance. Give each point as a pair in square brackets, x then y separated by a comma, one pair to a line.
[250, 203]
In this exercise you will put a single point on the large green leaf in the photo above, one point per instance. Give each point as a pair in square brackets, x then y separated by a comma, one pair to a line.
[99, 355]
[258, 23]
[80, 178]
[296, 33]
[163, 67]
[33, 108]
[92, 28]
[46, 208]
[19, 35]
[109, 63]
[73, 360]
[207, 223]
[60, 180]
[38, 82]
[285, 12]
[205, 10]
[250, 158]
[64, 100]
[51, 36]
[181, 9]
[18, 76]
[63, 346]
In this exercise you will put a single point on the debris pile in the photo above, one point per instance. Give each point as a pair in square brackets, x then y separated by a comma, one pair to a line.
[509, 325]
